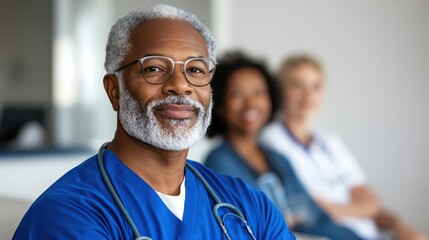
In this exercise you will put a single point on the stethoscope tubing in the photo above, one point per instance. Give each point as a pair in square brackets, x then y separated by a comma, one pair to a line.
[219, 203]
[115, 195]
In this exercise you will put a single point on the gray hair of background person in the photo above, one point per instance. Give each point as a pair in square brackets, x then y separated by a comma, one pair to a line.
[118, 43]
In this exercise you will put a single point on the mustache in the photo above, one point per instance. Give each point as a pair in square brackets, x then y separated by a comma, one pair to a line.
[179, 100]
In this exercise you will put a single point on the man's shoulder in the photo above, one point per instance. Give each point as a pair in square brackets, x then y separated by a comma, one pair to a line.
[75, 198]
[76, 183]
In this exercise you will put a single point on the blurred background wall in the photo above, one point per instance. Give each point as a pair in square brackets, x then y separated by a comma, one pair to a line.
[376, 54]
[26, 52]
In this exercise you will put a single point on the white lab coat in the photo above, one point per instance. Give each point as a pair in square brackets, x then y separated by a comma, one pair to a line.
[326, 168]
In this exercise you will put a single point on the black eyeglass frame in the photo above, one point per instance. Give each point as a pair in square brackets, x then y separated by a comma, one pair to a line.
[184, 63]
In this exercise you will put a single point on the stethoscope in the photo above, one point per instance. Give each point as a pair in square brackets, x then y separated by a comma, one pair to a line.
[221, 221]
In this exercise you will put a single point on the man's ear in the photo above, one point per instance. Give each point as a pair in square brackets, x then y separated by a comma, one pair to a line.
[111, 86]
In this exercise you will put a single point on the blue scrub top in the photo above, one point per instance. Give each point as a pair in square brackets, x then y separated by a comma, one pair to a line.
[79, 206]
[226, 160]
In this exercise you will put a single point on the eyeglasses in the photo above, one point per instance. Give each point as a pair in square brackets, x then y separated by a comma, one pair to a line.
[159, 69]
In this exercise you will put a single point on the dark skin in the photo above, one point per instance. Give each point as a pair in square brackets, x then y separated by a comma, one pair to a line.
[163, 170]
[246, 110]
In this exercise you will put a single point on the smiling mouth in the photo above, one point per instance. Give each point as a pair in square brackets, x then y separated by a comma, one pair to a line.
[250, 115]
[176, 111]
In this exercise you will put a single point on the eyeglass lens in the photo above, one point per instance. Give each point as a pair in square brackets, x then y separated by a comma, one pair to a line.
[157, 70]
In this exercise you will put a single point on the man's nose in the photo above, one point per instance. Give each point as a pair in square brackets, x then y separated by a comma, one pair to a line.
[177, 84]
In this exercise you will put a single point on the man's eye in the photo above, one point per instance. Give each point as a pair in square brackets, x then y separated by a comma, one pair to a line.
[153, 69]
[195, 70]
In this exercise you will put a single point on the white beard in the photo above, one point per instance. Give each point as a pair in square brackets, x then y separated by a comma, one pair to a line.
[141, 123]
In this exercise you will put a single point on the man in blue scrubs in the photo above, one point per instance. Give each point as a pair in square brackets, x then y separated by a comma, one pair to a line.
[159, 64]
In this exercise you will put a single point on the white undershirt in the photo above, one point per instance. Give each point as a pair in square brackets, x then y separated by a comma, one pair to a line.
[176, 204]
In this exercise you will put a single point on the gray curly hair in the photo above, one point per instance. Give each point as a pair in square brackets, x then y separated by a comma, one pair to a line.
[118, 43]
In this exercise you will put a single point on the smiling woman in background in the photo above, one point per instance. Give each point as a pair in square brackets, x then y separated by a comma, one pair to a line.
[244, 101]
[322, 162]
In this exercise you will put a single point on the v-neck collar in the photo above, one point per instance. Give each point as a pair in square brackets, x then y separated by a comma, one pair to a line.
[126, 176]
[317, 141]
[292, 136]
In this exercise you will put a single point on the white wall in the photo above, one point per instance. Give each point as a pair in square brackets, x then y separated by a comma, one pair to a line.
[376, 54]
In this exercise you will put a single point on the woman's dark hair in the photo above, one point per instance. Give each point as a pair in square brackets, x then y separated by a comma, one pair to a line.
[229, 64]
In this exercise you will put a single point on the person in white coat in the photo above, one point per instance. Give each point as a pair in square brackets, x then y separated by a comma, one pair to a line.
[322, 162]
